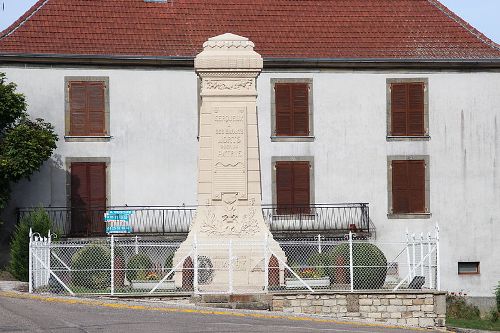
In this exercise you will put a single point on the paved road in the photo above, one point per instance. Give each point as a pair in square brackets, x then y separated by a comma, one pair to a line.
[54, 314]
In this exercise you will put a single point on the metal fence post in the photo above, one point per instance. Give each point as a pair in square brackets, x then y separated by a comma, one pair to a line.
[408, 255]
[351, 267]
[195, 264]
[266, 263]
[136, 245]
[429, 250]
[422, 253]
[438, 261]
[319, 243]
[30, 263]
[413, 245]
[112, 264]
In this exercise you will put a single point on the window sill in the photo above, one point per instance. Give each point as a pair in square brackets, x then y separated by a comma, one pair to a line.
[408, 138]
[409, 216]
[292, 138]
[90, 138]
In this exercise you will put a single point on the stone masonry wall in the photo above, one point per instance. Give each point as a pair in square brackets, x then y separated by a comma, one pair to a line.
[406, 309]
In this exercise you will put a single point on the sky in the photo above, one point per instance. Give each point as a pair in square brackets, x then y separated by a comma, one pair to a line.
[484, 15]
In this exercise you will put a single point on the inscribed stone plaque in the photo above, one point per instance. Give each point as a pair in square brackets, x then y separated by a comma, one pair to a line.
[229, 152]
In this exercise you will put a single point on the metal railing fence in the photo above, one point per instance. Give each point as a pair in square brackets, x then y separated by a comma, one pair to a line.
[162, 220]
[146, 265]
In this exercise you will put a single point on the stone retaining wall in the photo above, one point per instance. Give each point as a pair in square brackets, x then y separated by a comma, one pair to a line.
[417, 309]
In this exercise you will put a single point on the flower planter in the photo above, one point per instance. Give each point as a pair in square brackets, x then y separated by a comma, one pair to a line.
[294, 283]
[150, 284]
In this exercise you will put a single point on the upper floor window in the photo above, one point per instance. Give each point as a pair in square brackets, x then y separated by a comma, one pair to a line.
[407, 108]
[87, 107]
[293, 187]
[292, 108]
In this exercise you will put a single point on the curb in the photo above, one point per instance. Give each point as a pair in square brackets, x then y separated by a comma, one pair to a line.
[466, 330]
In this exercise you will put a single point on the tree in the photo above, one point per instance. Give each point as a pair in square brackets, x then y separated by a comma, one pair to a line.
[24, 143]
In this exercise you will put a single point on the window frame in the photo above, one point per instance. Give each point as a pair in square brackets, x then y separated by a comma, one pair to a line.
[67, 112]
[275, 159]
[477, 264]
[426, 135]
[390, 214]
[292, 138]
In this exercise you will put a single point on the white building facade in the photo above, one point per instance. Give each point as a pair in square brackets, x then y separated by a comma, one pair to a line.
[150, 144]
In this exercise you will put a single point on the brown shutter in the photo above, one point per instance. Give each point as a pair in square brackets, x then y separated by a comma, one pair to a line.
[400, 200]
[416, 186]
[415, 115]
[301, 186]
[398, 109]
[284, 186]
[408, 186]
[300, 102]
[78, 108]
[97, 185]
[284, 109]
[95, 106]
[87, 107]
[79, 185]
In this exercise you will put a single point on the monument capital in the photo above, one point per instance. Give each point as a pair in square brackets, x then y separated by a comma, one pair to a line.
[228, 53]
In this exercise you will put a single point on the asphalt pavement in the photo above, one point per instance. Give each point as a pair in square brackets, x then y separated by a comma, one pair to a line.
[21, 312]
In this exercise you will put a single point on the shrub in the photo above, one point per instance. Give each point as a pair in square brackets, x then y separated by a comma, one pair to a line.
[370, 265]
[138, 267]
[458, 308]
[497, 294]
[169, 262]
[92, 267]
[39, 222]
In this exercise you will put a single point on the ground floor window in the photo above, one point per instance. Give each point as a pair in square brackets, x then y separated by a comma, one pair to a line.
[293, 187]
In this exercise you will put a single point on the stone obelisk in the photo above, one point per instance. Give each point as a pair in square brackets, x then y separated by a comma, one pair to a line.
[229, 189]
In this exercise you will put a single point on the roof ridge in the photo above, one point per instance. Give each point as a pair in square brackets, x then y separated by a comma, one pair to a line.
[21, 20]
[466, 25]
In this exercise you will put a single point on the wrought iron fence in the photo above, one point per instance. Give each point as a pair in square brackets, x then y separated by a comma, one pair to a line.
[146, 265]
[317, 218]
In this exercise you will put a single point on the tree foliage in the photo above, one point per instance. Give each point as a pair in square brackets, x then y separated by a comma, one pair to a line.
[24, 143]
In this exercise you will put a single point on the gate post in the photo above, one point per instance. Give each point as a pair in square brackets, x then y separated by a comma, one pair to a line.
[30, 263]
[438, 261]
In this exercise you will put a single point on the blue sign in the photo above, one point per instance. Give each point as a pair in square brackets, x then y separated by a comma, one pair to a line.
[118, 221]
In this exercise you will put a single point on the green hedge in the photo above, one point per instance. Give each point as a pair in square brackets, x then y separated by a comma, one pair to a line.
[138, 267]
[40, 223]
[92, 267]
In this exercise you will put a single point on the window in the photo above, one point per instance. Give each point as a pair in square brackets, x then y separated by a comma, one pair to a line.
[87, 110]
[293, 187]
[468, 267]
[407, 108]
[88, 195]
[291, 109]
[408, 186]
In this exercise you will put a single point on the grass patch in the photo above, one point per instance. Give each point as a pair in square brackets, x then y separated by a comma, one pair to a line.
[480, 324]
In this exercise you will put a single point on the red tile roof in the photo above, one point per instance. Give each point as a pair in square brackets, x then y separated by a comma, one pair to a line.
[338, 29]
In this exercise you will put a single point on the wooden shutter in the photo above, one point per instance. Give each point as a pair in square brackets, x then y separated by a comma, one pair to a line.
[292, 187]
[87, 108]
[284, 186]
[284, 109]
[407, 109]
[408, 186]
[415, 116]
[79, 185]
[78, 108]
[300, 102]
[292, 109]
[301, 188]
[96, 108]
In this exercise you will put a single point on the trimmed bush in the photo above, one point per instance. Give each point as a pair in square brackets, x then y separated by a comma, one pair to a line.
[92, 267]
[370, 265]
[138, 267]
[169, 262]
[40, 222]
[497, 294]
[458, 308]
